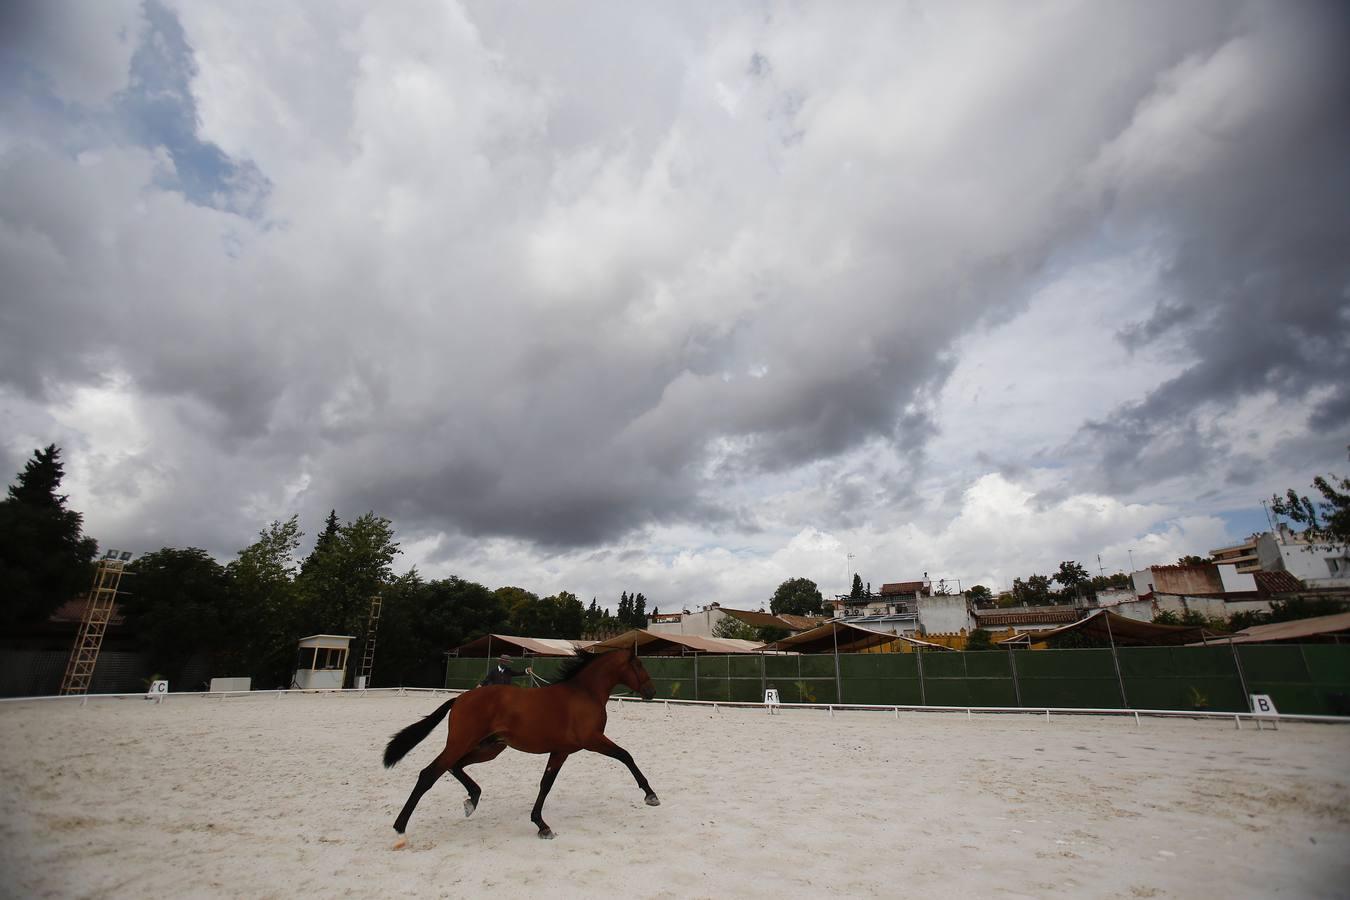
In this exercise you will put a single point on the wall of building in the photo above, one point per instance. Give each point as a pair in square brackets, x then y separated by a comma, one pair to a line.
[695, 623]
[1235, 582]
[944, 615]
[1317, 565]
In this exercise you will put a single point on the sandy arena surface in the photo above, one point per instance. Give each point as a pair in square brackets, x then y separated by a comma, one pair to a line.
[268, 797]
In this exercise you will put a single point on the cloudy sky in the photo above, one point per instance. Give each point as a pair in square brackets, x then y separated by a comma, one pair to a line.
[681, 298]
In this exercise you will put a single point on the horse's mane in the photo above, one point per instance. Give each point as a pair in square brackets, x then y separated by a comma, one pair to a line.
[572, 667]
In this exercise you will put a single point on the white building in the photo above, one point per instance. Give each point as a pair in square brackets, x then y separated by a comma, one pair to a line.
[1316, 565]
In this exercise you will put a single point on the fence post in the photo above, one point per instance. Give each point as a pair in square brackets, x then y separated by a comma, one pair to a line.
[838, 685]
[918, 653]
[1242, 678]
[1115, 659]
[1017, 688]
[695, 676]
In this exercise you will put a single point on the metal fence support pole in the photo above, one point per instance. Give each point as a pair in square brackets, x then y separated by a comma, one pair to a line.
[1012, 663]
[838, 683]
[923, 693]
[1124, 701]
[695, 676]
[1242, 679]
[763, 678]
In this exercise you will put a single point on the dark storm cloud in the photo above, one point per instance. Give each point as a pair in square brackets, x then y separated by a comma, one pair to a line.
[1261, 277]
[492, 275]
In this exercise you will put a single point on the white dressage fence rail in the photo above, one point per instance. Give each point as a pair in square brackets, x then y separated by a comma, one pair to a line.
[831, 708]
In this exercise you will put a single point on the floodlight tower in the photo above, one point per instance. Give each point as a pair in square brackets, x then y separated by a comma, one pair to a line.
[94, 623]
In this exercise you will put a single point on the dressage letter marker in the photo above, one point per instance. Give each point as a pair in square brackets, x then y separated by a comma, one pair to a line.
[158, 691]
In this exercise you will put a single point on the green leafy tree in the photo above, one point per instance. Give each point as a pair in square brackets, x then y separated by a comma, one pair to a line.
[44, 558]
[639, 619]
[625, 611]
[353, 566]
[857, 592]
[1034, 590]
[524, 616]
[1326, 521]
[798, 597]
[1191, 560]
[1072, 576]
[181, 607]
[732, 628]
[423, 620]
[263, 590]
[980, 596]
[980, 639]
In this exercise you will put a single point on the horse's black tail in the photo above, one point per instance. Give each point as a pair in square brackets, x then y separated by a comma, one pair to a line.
[410, 737]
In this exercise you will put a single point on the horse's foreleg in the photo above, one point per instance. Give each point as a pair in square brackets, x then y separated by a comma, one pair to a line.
[488, 750]
[606, 747]
[555, 762]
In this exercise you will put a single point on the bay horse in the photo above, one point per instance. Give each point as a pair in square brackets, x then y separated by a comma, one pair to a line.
[560, 719]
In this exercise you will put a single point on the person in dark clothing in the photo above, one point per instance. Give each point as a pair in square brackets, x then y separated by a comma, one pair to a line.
[502, 673]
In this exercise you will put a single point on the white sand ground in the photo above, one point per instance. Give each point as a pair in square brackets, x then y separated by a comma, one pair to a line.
[267, 797]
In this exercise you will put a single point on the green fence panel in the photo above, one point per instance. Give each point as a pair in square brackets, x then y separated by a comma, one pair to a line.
[1328, 663]
[1085, 693]
[746, 690]
[1146, 662]
[713, 667]
[947, 691]
[781, 667]
[1204, 662]
[991, 691]
[817, 666]
[669, 667]
[713, 688]
[1273, 662]
[937, 664]
[745, 666]
[1066, 664]
[988, 664]
[863, 665]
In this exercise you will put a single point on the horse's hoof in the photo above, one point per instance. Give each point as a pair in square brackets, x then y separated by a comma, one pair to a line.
[469, 807]
[546, 834]
[653, 800]
[400, 843]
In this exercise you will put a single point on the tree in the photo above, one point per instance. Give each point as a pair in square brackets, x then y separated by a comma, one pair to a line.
[44, 557]
[1325, 522]
[798, 597]
[980, 596]
[1036, 589]
[856, 592]
[625, 613]
[262, 587]
[732, 628]
[1071, 576]
[180, 607]
[980, 639]
[326, 540]
[639, 618]
[340, 578]
[1191, 560]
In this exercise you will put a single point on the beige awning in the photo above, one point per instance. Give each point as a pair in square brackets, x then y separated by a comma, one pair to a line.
[1317, 629]
[839, 636]
[653, 643]
[1123, 631]
[515, 645]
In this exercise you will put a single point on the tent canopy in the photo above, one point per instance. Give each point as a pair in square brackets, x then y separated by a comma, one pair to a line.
[1123, 631]
[842, 636]
[653, 643]
[1317, 629]
[496, 644]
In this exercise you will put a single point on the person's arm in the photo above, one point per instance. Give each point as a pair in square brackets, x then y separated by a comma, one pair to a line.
[514, 674]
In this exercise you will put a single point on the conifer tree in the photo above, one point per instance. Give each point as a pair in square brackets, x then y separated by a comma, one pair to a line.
[44, 557]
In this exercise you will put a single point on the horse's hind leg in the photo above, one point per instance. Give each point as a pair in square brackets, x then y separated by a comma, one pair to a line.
[555, 762]
[606, 747]
[454, 750]
[489, 750]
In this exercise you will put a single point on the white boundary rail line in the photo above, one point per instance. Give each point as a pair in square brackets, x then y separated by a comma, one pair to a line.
[1237, 717]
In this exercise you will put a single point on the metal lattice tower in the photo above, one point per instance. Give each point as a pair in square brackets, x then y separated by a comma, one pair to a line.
[93, 625]
[368, 653]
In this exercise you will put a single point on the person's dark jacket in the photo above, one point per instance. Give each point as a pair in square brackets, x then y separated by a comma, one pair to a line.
[500, 674]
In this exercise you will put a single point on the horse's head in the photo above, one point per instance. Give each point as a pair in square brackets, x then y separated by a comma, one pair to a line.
[634, 675]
